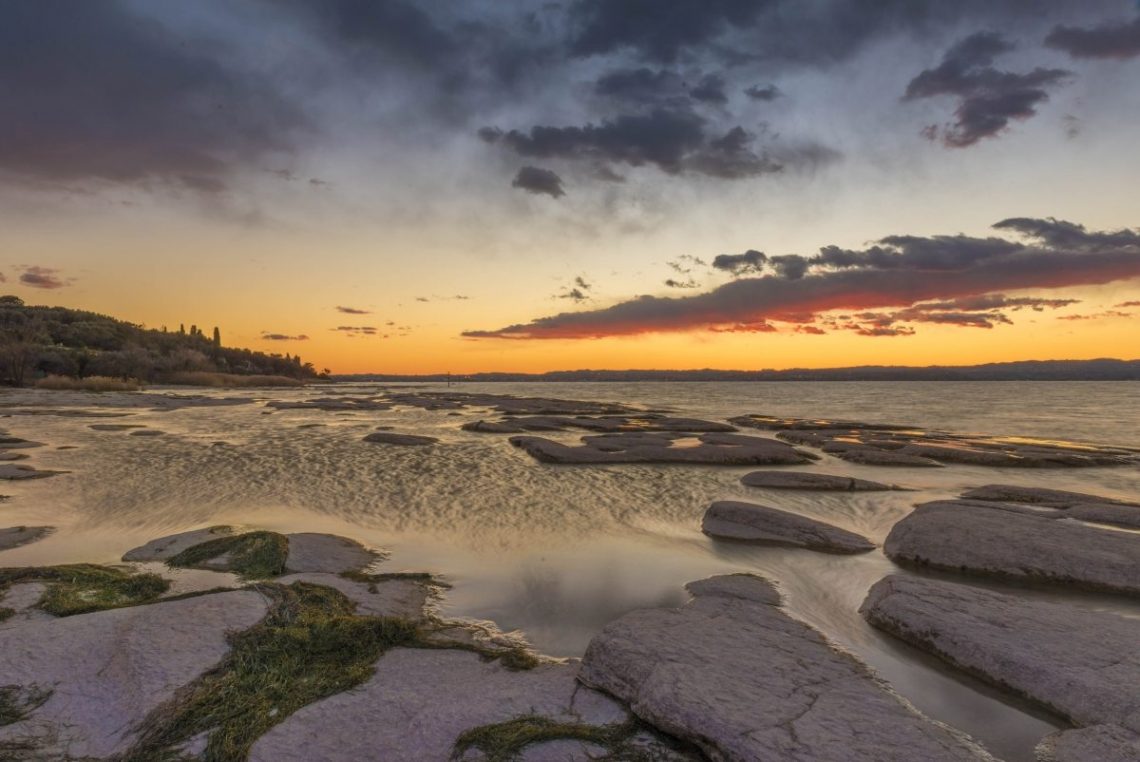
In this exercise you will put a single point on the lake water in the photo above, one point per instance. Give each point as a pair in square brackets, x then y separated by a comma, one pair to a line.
[556, 551]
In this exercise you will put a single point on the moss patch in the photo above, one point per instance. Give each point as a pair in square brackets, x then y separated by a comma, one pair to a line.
[6, 613]
[311, 645]
[505, 741]
[82, 588]
[253, 555]
[17, 702]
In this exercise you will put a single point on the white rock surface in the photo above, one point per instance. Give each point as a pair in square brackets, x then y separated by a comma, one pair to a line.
[327, 553]
[165, 548]
[421, 700]
[741, 679]
[404, 598]
[108, 669]
[1080, 663]
[990, 540]
[749, 522]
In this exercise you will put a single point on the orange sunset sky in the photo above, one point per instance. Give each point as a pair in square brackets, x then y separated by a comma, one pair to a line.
[419, 188]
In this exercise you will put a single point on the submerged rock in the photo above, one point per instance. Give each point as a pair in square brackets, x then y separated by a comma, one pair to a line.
[14, 537]
[106, 671]
[744, 681]
[115, 426]
[1080, 663]
[420, 701]
[406, 440]
[811, 481]
[731, 520]
[13, 472]
[649, 447]
[1020, 543]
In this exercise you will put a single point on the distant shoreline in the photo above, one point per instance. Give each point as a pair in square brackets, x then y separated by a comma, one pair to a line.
[1030, 370]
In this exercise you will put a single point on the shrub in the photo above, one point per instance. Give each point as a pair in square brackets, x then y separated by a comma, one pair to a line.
[89, 384]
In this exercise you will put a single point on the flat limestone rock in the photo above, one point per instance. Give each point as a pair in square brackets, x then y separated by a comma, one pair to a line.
[1077, 505]
[1082, 664]
[329, 553]
[1054, 498]
[811, 481]
[871, 456]
[985, 539]
[662, 447]
[14, 537]
[749, 522]
[21, 599]
[109, 669]
[421, 700]
[399, 597]
[406, 440]
[1102, 743]
[165, 548]
[607, 423]
[744, 681]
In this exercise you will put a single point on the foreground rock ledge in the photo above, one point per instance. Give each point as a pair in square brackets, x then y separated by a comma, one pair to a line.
[652, 447]
[807, 480]
[109, 669]
[1079, 663]
[1016, 542]
[749, 522]
[735, 675]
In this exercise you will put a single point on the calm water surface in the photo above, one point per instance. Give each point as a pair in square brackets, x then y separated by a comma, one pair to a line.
[556, 551]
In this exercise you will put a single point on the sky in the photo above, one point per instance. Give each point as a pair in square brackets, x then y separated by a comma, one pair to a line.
[421, 187]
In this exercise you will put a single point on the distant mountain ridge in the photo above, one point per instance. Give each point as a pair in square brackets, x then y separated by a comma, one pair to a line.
[1104, 369]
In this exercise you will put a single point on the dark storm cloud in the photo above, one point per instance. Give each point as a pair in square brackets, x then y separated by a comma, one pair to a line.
[987, 97]
[1118, 39]
[766, 93]
[539, 180]
[42, 277]
[267, 336]
[750, 262]
[353, 311]
[675, 141]
[642, 85]
[92, 91]
[657, 31]
[709, 90]
[898, 272]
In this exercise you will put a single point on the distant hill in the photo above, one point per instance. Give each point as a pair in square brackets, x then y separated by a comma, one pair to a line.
[1026, 370]
[42, 341]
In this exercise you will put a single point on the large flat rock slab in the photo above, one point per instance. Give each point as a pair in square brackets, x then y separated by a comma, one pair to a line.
[1098, 743]
[734, 674]
[664, 447]
[1019, 543]
[807, 480]
[326, 553]
[1079, 663]
[402, 440]
[606, 423]
[14, 537]
[19, 472]
[106, 671]
[421, 700]
[749, 522]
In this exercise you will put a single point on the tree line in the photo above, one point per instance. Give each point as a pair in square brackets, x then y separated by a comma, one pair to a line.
[38, 341]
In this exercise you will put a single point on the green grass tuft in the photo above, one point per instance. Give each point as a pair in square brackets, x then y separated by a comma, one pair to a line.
[82, 588]
[17, 702]
[505, 741]
[311, 645]
[6, 613]
[253, 555]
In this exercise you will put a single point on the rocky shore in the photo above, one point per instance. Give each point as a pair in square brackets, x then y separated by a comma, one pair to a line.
[304, 646]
